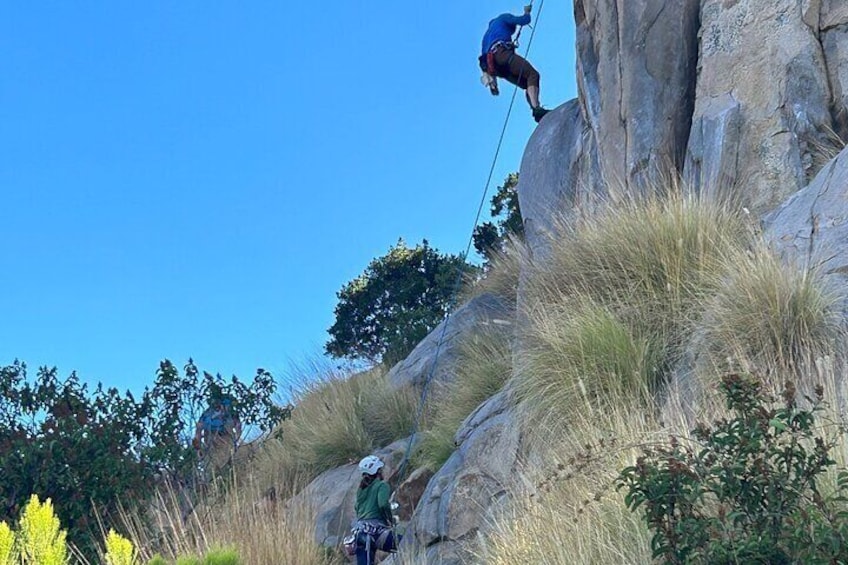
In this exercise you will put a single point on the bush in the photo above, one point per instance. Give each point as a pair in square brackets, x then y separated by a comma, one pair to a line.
[101, 448]
[119, 550]
[750, 493]
[8, 551]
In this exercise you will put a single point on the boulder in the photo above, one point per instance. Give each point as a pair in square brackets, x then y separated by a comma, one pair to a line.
[762, 100]
[483, 310]
[559, 173]
[470, 486]
[636, 68]
[811, 227]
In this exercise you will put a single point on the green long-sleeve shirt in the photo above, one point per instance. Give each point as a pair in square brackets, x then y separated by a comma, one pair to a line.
[372, 502]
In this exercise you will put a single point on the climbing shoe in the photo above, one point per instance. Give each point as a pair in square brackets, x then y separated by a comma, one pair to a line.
[539, 113]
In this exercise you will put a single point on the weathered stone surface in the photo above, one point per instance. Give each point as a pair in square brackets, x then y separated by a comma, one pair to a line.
[758, 59]
[470, 485]
[559, 174]
[636, 68]
[835, 45]
[833, 13]
[481, 311]
[333, 493]
[811, 227]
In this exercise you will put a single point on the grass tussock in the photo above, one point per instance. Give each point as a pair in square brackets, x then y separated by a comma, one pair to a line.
[610, 310]
[769, 318]
[610, 315]
[338, 419]
[646, 260]
[484, 366]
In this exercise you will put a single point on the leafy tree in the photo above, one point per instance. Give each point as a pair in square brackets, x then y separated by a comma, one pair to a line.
[59, 440]
[490, 237]
[384, 312]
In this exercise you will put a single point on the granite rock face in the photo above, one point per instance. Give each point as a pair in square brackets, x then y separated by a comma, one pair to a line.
[762, 103]
[636, 66]
[811, 227]
[483, 310]
[480, 476]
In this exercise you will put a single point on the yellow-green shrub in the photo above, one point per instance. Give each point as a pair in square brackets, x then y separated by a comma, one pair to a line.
[8, 553]
[119, 550]
[40, 538]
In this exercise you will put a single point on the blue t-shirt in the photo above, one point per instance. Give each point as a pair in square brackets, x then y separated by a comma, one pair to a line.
[502, 28]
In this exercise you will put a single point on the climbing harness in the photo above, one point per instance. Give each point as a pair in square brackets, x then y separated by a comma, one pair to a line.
[426, 386]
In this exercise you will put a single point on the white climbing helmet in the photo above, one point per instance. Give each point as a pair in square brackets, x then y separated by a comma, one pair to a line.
[370, 465]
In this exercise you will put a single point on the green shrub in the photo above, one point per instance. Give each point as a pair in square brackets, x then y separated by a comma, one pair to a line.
[157, 560]
[749, 493]
[119, 550]
[189, 561]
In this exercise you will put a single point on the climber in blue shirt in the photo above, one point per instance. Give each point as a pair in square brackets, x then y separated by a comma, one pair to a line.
[499, 59]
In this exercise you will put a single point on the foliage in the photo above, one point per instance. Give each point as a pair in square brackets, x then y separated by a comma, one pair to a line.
[157, 560]
[751, 492]
[384, 312]
[119, 550]
[8, 551]
[81, 448]
[41, 541]
[490, 237]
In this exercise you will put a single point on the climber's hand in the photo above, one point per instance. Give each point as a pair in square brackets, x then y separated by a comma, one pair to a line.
[528, 8]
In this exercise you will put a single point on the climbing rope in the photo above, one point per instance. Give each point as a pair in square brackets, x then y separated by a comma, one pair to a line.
[426, 386]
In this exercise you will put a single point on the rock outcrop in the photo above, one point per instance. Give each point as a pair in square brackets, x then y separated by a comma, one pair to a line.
[559, 171]
[811, 228]
[762, 103]
[745, 98]
[483, 310]
[475, 481]
[636, 62]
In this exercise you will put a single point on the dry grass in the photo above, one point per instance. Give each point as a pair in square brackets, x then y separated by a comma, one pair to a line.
[261, 530]
[576, 516]
[769, 318]
[337, 419]
[608, 317]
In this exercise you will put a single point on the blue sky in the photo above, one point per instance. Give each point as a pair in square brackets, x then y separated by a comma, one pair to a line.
[199, 179]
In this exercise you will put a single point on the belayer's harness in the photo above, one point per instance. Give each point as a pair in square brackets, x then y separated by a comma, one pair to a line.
[367, 532]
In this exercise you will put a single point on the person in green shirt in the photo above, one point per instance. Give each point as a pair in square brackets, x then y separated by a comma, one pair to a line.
[374, 521]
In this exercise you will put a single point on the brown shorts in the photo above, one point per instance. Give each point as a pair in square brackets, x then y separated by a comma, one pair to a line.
[511, 66]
